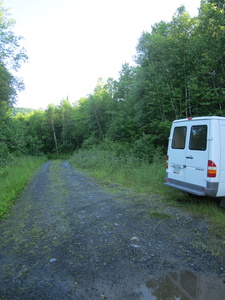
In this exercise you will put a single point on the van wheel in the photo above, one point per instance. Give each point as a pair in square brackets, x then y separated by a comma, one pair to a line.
[222, 202]
[198, 198]
[194, 196]
[215, 200]
[191, 195]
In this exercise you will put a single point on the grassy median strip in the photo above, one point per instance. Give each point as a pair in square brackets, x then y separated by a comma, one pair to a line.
[128, 171]
[13, 178]
[146, 178]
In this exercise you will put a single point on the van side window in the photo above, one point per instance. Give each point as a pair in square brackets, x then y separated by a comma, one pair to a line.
[198, 137]
[179, 137]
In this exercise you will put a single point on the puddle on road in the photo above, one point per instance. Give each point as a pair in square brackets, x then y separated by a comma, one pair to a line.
[184, 285]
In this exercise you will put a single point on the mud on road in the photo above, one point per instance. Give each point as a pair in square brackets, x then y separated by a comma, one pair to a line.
[69, 237]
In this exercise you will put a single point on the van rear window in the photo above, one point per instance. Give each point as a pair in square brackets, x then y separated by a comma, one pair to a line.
[179, 137]
[198, 137]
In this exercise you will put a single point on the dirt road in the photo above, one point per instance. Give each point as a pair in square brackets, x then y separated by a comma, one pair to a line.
[69, 237]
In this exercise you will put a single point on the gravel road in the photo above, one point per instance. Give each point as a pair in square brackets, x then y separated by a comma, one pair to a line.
[70, 237]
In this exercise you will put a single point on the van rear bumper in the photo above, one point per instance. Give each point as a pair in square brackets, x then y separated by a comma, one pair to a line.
[210, 189]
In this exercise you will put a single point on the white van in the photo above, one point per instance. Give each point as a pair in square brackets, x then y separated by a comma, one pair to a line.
[196, 156]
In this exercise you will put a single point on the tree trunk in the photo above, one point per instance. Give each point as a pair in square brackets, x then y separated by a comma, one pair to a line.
[54, 135]
[99, 125]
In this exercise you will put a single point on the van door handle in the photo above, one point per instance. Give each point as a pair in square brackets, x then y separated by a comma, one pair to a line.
[189, 157]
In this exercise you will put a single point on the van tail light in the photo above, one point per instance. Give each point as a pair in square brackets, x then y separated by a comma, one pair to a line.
[211, 171]
[167, 158]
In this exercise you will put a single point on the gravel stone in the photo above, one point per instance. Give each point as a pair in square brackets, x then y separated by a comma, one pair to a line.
[102, 241]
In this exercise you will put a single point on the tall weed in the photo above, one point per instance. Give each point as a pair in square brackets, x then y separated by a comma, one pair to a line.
[122, 167]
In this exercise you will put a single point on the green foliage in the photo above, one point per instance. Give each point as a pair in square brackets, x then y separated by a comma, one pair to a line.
[11, 53]
[11, 56]
[7, 87]
[143, 148]
[179, 72]
[22, 110]
[13, 177]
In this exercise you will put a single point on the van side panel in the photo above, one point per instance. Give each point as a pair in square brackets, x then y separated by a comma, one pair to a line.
[214, 142]
[221, 190]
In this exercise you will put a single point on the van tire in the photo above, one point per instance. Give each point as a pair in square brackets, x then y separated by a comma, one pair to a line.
[217, 201]
[222, 202]
[196, 197]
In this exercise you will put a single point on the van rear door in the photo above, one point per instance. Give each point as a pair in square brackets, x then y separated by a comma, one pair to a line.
[188, 155]
[177, 152]
[196, 157]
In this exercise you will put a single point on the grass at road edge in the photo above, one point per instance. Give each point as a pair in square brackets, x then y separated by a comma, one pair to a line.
[145, 179]
[13, 179]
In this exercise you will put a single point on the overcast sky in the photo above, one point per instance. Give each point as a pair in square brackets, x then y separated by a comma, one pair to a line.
[71, 43]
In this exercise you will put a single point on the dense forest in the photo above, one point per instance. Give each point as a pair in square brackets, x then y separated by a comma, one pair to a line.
[179, 71]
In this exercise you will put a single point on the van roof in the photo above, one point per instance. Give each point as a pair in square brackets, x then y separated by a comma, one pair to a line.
[200, 118]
